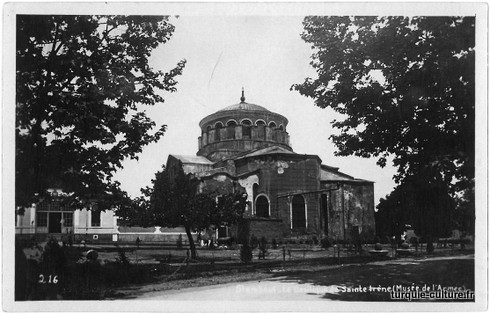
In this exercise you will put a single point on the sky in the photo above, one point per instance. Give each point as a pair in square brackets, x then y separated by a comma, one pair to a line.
[263, 54]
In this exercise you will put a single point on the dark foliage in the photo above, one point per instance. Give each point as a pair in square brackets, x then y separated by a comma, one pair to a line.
[82, 82]
[246, 253]
[427, 207]
[325, 243]
[175, 200]
[274, 243]
[254, 242]
[405, 89]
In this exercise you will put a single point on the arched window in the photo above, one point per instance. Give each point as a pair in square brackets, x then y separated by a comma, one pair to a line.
[272, 125]
[281, 128]
[262, 206]
[260, 130]
[298, 213]
[217, 133]
[230, 126]
[246, 130]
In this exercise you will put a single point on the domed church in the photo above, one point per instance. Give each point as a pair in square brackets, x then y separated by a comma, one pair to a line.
[289, 194]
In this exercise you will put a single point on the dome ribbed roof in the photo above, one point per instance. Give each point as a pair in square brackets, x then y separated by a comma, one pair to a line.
[244, 106]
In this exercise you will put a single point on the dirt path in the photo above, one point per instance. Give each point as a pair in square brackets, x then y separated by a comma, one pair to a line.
[318, 282]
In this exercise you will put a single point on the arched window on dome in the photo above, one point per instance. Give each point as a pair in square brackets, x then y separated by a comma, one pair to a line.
[260, 134]
[262, 206]
[231, 123]
[281, 128]
[272, 125]
[247, 129]
[217, 134]
[230, 129]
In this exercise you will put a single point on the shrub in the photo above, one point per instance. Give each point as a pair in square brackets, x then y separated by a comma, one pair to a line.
[325, 243]
[122, 258]
[245, 253]
[430, 246]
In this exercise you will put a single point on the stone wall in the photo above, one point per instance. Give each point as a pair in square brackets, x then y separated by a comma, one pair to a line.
[268, 228]
[281, 176]
[357, 210]
[215, 151]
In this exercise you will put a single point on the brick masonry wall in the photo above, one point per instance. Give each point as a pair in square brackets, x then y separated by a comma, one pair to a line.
[358, 210]
[279, 176]
[270, 229]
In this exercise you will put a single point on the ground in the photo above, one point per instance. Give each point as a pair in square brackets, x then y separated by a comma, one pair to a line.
[355, 282]
[291, 272]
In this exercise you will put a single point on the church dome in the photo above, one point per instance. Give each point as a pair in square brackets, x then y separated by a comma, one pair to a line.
[244, 106]
[241, 127]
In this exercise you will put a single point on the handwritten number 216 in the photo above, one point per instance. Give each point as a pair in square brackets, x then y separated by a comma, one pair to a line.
[49, 279]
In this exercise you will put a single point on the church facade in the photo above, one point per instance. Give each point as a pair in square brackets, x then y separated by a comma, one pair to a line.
[289, 194]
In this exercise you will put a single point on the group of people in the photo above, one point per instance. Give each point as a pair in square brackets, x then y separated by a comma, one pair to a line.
[206, 240]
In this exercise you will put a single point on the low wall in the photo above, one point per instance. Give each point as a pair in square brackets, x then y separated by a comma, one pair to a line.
[154, 237]
[268, 228]
[145, 237]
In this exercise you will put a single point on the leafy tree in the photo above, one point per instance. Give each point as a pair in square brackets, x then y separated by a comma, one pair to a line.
[177, 199]
[426, 206]
[82, 82]
[404, 87]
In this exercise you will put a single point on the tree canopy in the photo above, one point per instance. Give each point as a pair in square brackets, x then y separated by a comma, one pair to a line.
[404, 87]
[81, 86]
[179, 199]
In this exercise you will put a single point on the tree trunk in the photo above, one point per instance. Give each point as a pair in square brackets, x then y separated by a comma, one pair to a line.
[191, 242]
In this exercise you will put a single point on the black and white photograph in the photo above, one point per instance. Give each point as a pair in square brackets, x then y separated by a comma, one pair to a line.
[250, 157]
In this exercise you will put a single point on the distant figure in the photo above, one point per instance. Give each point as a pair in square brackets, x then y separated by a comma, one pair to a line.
[262, 247]
[70, 239]
[199, 239]
[138, 241]
[205, 239]
[430, 245]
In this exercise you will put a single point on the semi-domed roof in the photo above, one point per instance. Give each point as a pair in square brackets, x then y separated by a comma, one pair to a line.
[244, 106]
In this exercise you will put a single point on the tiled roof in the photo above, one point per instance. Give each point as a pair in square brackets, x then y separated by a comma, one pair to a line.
[267, 151]
[331, 174]
[244, 106]
[188, 159]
